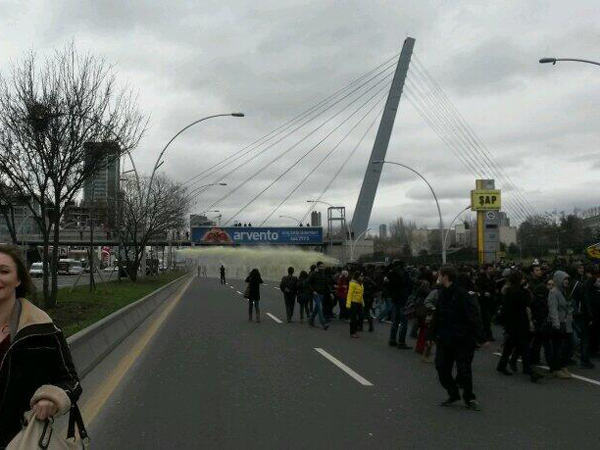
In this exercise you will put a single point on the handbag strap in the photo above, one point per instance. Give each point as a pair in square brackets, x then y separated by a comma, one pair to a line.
[76, 419]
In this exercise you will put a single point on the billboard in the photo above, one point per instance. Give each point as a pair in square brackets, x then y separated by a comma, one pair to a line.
[257, 236]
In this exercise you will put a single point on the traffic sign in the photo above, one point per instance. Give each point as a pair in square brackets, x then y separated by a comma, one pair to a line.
[485, 200]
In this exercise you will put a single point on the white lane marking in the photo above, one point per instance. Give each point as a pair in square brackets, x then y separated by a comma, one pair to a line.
[274, 318]
[239, 292]
[578, 377]
[277, 288]
[344, 367]
[231, 287]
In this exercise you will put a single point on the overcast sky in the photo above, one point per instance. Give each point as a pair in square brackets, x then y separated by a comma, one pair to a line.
[274, 59]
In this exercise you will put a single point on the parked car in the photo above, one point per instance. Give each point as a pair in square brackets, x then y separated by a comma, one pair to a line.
[36, 270]
[69, 267]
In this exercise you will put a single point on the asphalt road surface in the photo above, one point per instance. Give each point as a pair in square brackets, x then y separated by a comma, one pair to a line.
[208, 378]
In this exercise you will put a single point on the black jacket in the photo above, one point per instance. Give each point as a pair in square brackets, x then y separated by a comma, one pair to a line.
[539, 302]
[254, 281]
[515, 320]
[319, 282]
[399, 285]
[289, 286]
[37, 361]
[456, 319]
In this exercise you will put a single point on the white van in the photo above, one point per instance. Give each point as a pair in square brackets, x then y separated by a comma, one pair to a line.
[36, 270]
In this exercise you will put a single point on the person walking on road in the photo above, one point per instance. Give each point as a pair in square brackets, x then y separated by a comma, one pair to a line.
[399, 286]
[456, 329]
[289, 287]
[486, 291]
[341, 293]
[222, 272]
[254, 281]
[36, 367]
[320, 289]
[560, 317]
[355, 302]
[517, 323]
[304, 295]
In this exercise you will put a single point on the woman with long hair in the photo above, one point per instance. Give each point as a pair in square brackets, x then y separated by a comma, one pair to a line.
[36, 367]
[254, 281]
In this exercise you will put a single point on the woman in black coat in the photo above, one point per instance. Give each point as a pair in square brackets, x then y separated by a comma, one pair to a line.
[517, 324]
[254, 281]
[36, 368]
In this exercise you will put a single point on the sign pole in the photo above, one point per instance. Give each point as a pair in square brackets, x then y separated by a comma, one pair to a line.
[480, 223]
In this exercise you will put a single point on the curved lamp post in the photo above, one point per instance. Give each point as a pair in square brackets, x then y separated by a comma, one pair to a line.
[292, 218]
[353, 247]
[437, 203]
[159, 162]
[553, 61]
[452, 223]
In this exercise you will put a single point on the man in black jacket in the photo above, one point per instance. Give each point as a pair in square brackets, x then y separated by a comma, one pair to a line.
[399, 287]
[319, 284]
[289, 288]
[456, 329]
[486, 291]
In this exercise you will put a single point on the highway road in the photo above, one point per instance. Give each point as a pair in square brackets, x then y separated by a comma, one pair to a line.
[198, 374]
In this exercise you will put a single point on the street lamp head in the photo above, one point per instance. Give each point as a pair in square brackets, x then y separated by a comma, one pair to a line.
[548, 60]
[310, 201]
[238, 114]
[378, 162]
[222, 184]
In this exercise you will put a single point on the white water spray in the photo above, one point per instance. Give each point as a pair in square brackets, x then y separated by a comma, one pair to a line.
[272, 262]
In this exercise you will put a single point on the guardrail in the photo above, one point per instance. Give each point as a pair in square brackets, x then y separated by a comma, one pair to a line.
[91, 345]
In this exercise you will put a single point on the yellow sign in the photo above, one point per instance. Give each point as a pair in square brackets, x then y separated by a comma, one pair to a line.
[485, 199]
[501, 254]
[593, 251]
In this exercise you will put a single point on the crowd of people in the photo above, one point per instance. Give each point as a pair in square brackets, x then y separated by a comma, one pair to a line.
[550, 307]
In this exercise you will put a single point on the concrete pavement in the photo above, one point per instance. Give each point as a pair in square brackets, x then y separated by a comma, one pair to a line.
[208, 378]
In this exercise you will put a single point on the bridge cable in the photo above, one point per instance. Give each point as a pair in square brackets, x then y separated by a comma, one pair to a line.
[327, 155]
[384, 88]
[242, 164]
[341, 168]
[297, 143]
[265, 138]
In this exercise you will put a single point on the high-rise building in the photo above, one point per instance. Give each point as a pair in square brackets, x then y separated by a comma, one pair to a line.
[104, 184]
[383, 231]
[315, 219]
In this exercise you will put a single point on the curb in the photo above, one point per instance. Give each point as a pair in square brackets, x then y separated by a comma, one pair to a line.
[91, 345]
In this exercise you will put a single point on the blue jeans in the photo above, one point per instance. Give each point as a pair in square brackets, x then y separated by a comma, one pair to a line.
[385, 309]
[317, 309]
[399, 321]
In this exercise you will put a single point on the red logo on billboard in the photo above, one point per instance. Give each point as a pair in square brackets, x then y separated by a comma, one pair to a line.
[216, 236]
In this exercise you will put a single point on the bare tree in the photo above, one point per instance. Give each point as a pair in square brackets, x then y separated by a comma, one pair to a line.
[140, 222]
[50, 113]
[401, 231]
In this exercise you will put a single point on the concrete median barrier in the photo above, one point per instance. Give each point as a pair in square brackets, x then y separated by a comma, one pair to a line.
[91, 345]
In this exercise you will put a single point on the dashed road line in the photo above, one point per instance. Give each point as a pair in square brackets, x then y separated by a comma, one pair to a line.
[577, 377]
[239, 292]
[274, 318]
[277, 288]
[344, 367]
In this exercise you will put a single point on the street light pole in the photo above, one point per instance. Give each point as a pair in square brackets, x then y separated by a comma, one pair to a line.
[292, 218]
[553, 61]
[452, 223]
[437, 203]
[353, 247]
[159, 163]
